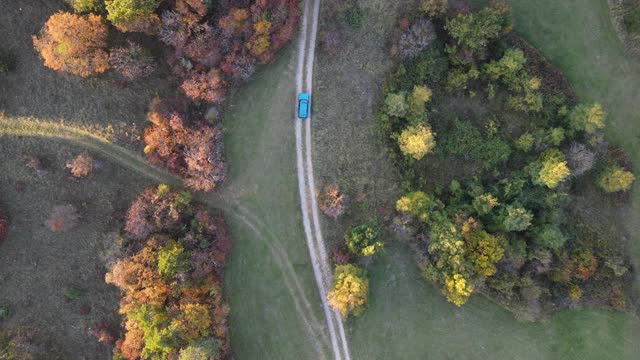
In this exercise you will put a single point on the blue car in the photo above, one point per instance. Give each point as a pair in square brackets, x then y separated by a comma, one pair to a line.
[303, 105]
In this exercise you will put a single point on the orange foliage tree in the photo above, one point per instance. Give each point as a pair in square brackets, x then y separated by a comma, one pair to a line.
[171, 280]
[74, 43]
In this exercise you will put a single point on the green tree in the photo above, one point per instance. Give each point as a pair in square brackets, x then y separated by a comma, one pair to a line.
[350, 290]
[587, 117]
[172, 259]
[417, 204]
[364, 240]
[474, 31]
[86, 5]
[133, 15]
[524, 142]
[615, 179]
[418, 100]
[396, 105]
[549, 236]
[484, 203]
[516, 218]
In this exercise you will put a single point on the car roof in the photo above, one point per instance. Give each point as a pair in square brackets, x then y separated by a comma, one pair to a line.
[303, 96]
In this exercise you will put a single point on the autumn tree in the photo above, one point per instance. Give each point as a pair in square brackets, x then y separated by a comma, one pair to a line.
[332, 202]
[105, 332]
[350, 290]
[473, 32]
[206, 86]
[417, 38]
[364, 240]
[550, 169]
[587, 117]
[74, 43]
[416, 141]
[484, 251]
[580, 159]
[615, 178]
[63, 218]
[170, 280]
[81, 166]
[133, 15]
[132, 62]
[418, 100]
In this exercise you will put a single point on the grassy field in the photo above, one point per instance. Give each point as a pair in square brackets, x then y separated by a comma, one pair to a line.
[407, 318]
[275, 309]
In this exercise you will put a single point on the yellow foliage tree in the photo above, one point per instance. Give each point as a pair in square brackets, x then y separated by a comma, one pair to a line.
[416, 141]
[259, 42]
[457, 289]
[552, 170]
[615, 179]
[418, 99]
[587, 118]
[484, 250]
[417, 204]
[350, 290]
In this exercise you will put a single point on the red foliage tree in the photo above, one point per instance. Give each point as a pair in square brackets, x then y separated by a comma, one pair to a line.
[194, 152]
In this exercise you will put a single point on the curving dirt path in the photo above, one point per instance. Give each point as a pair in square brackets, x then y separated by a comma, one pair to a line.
[306, 185]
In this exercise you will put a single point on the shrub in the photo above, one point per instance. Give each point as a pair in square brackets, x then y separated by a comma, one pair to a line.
[133, 15]
[74, 44]
[416, 141]
[63, 218]
[587, 117]
[364, 240]
[396, 105]
[72, 293]
[580, 159]
[7, 61]
[332, 201]
[583, 265]
[81, 165]
[86, 5]
[105, 332]
[417, 204]
[132, 62]
[350, 290]
[416, 39]
[434, 8]
[330, 42]
[550, 236]
[4, 225]
[614, 179]
[516, 218]
[354, 15]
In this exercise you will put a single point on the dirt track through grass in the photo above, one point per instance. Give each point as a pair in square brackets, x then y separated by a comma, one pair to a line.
[87, 139]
